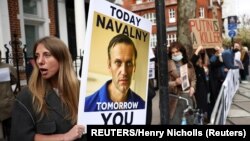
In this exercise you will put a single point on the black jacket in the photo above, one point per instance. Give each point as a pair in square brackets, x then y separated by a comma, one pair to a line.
[26, 123]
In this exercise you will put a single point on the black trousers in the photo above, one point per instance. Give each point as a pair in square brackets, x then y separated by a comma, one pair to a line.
[6, 128]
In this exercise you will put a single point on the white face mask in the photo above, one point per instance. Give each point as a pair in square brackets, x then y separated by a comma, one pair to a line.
[177, 57]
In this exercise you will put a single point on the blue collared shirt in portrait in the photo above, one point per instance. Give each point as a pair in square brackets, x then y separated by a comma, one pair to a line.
[99, 101]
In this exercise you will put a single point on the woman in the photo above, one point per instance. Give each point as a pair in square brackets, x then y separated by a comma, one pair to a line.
[177, 58]
[47, 108]
[200, 62]
[245, 61]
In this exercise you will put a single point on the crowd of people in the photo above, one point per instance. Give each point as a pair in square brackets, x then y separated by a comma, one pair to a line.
[46, 109]
[207, 70]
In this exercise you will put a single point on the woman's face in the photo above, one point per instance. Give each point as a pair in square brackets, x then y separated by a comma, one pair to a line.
[46, 62]
[176, 55]
[175, 52]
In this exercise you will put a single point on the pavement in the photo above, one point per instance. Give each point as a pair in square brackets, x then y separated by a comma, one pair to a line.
[239, 113]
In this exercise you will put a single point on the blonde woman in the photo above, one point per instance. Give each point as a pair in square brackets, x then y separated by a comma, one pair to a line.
[47, 108]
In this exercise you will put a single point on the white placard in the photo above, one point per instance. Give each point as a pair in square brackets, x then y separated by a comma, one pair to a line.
[4, 74]
[106, 20]
[184, 77]
[152, 70]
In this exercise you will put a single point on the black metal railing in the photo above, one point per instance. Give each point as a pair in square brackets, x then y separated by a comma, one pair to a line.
[18, 58]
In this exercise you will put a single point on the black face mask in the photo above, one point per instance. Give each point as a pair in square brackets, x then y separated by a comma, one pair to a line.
[235, 50]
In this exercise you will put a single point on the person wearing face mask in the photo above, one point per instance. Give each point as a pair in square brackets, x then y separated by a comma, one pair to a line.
[228, 57]
[237, 53]
[178, 57]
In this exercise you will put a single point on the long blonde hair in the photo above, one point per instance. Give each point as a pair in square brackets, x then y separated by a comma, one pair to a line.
[67, 81]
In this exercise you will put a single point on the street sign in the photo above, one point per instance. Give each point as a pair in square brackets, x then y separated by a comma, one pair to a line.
[232, 26]
[232, 22]
[231, 33]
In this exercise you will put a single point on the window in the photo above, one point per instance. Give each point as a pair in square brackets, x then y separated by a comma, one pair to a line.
[172, 16]
[171, 38]
[151, 17]
[34, 21]
[153, 41]
[30, 7]
[31, 35]
[138, 1]
[201, 12]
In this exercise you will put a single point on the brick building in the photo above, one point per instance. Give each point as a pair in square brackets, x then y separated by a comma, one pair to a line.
[146, 8]
[22, 22]
[30, 20]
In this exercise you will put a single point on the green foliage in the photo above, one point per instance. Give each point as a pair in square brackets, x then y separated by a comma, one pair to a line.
[244, 35]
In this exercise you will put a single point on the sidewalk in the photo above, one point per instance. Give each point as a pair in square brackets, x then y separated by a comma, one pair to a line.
[239, 113]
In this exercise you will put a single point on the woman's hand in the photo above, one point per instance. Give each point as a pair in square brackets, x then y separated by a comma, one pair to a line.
[178, 81]
[74, 133]
[191, 91]
[198, 49]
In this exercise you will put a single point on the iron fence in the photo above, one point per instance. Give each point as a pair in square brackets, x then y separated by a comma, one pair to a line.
[18, 58]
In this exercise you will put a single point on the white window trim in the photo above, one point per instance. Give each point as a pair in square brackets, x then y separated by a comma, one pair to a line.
[5, 35]
[171, 38]
[150, 16]
[138, 1]
[202, 12]
[153, 41]
[62, 19]
[42, 22]
[172, 15]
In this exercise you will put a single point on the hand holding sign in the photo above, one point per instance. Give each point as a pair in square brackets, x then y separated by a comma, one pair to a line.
[205, 32]
[198, 49]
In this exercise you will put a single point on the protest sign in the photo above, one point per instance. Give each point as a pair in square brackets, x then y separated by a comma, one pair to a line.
[184, 77]
[205, 32]
[108, 22]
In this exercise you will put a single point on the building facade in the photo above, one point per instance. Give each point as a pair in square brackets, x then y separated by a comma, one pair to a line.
[22, 22]
[146, 8]
[30, 20]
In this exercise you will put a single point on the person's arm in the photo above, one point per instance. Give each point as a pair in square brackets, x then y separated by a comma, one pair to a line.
[73, 134]
[22, 123]
[192, 80]
[23, 126]
[215, 61]
[175, 83]
[172, 73]
[194, 59]
[220, 56]
[227, 57]
[195, 56]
